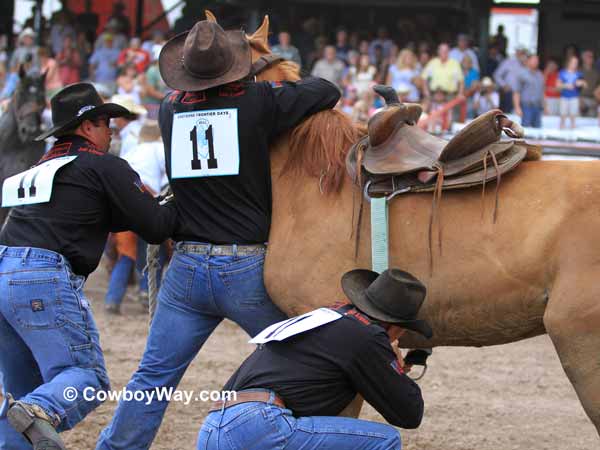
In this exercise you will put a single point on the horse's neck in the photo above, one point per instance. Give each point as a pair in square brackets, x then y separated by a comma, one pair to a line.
[9, 135]
[299, 196]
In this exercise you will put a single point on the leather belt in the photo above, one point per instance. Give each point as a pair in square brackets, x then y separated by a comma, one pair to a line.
[223, 250]
[245, 397]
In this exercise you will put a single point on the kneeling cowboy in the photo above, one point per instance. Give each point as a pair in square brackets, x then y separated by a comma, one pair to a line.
[307, 369]
[63, 209]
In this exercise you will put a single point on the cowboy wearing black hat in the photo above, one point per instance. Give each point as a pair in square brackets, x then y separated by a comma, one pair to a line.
[62, 211]
[216, 127]
[307, 369]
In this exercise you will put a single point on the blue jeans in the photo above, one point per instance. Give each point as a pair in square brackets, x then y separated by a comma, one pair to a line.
[197, 293]
[119, 278]
[48, 339]
[532, 116]
[263, 426]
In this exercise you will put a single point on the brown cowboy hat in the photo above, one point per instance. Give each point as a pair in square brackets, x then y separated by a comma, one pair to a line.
[76, 103]
[394, 297]
[205, 57]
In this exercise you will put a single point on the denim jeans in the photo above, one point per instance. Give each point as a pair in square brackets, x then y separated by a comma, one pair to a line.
[197, 293]
[119, 279]
[263, 426]
[532, 116]
[48, 340]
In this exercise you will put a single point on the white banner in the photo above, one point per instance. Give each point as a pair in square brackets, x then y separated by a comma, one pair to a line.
[205, 144]
[296, 325]
[34, 185]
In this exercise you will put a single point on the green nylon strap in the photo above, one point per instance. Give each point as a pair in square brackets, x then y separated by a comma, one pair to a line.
[379, 234]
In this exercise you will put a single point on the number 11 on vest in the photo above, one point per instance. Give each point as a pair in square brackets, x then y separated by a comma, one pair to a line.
[208, 136]
[205, 144]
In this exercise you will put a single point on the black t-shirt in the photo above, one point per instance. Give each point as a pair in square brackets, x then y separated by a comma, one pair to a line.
[234, 209]
[95, 194]
[319, 372]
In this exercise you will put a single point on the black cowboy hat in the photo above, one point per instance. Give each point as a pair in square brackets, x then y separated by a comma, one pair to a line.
[76, 103]
[394, 297]
[205, 57]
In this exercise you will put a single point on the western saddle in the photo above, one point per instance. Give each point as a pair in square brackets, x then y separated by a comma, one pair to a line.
[398, 157]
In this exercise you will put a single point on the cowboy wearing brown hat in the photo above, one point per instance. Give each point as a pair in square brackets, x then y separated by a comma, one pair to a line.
[216, 129]
[62, 211]
[307, 369]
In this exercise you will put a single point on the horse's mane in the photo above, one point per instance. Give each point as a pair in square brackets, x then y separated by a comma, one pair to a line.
[318, 146]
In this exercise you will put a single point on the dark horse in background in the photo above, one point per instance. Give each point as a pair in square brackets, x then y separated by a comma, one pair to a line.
[19, 125]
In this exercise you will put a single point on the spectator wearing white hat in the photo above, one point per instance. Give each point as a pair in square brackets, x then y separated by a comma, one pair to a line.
[486, 99]
[125, 242]
[147, 158]
[26, 51]
[128, 126]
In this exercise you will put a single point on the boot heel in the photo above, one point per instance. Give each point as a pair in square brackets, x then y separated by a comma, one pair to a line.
[19, 419]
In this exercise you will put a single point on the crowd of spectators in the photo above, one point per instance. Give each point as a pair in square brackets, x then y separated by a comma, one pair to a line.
[435, 75]
[114, 60]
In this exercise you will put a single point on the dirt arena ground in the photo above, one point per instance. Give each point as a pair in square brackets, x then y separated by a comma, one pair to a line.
[498, 398]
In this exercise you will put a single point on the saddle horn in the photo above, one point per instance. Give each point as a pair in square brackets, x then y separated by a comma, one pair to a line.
[388, 93]
[395, 114]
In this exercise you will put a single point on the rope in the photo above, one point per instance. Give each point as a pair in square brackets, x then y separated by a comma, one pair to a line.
[152, 268]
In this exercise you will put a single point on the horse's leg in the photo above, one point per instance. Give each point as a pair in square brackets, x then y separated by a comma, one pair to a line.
[572, 319]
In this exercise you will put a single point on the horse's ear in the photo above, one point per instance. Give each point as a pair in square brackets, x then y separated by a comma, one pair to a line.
[210, 16]
[262, 34]
[22, 72]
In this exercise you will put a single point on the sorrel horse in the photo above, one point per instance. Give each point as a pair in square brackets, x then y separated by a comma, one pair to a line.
[535, 271]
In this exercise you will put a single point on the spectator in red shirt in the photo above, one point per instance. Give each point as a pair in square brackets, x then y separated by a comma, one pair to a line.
[552, 92]
[69, 62]
[136, 55]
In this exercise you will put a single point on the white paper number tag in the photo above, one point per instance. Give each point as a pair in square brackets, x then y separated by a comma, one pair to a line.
[34, 185]
[205, 144]
[296, 325]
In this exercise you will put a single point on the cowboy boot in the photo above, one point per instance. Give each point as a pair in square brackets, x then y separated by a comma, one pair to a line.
[35, 425]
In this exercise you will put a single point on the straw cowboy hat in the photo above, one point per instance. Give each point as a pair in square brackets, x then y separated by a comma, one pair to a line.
[394, 297]
[205, 57]
[149, 132]
[76, 103]
[127, 102]
[487, 82]
[27, 32]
